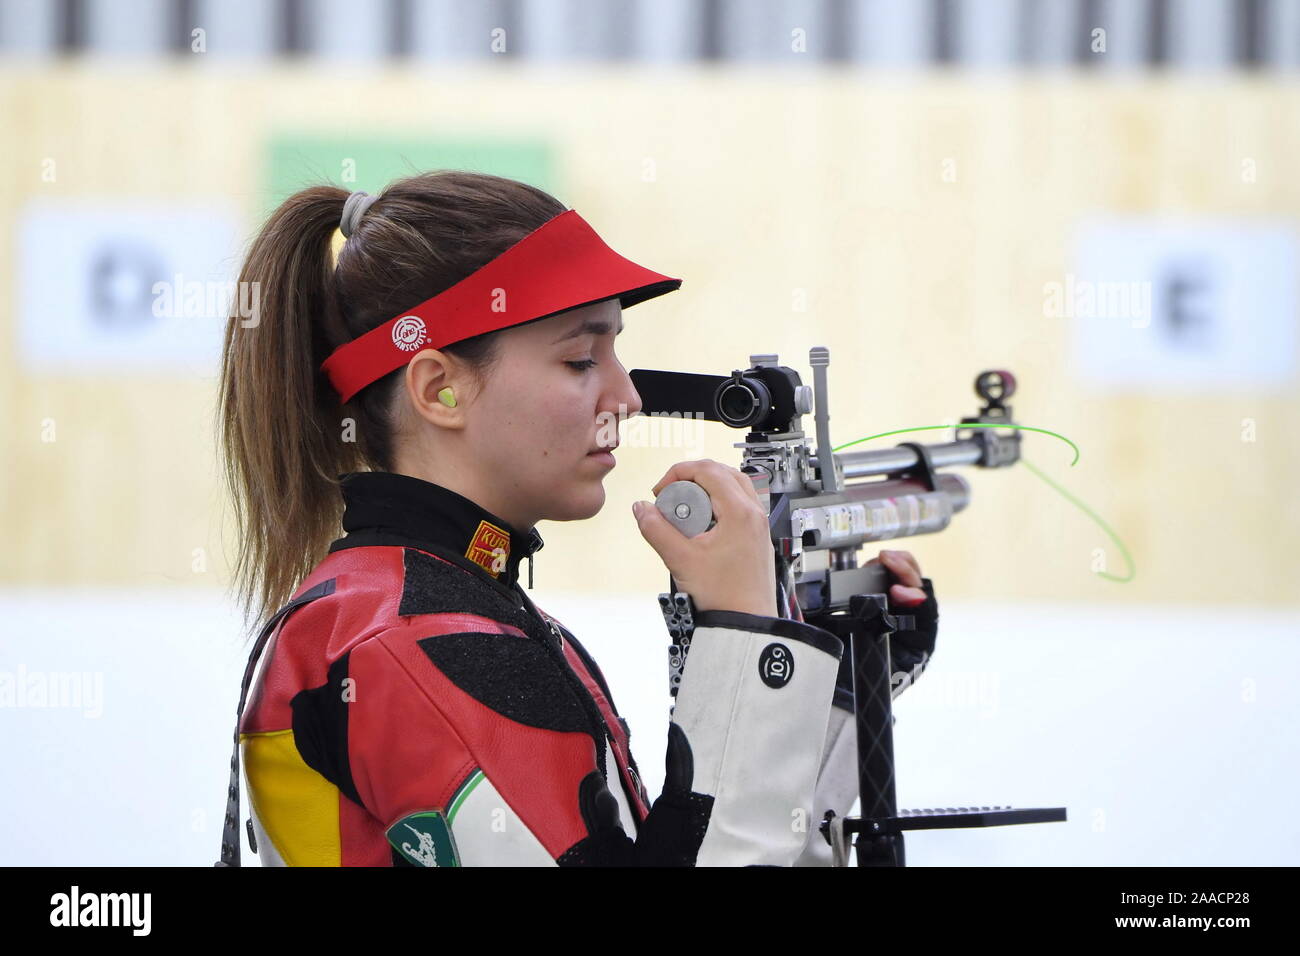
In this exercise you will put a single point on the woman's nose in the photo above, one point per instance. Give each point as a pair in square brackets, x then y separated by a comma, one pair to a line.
[625, 395]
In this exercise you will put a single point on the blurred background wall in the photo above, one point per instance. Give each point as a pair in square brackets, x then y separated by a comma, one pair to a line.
[1096, 195]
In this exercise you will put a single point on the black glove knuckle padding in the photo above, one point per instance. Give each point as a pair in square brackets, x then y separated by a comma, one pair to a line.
[907, 649]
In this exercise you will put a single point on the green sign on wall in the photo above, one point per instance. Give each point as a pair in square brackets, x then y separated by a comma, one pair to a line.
[367, 162]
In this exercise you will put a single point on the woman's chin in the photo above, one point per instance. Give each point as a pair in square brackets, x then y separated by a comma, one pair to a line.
[586, 504]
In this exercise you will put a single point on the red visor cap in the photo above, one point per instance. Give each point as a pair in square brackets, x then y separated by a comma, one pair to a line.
[561, 265]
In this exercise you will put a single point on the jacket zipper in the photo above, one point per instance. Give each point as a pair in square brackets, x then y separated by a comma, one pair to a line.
[528, 607]
[610, 744]
[560, 637]
[609, 737]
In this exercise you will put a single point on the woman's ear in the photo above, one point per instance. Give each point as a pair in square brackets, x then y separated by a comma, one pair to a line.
[435, 385]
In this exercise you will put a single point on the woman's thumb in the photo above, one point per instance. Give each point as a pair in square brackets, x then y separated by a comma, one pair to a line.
[648, 519]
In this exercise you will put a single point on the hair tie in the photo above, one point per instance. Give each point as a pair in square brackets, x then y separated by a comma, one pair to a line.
[353, 209]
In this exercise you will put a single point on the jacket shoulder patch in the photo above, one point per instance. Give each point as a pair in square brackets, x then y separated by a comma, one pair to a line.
[433, 586]
[512, 675]
[423, 839]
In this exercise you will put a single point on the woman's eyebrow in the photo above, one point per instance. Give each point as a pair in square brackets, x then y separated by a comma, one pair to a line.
[589, 326]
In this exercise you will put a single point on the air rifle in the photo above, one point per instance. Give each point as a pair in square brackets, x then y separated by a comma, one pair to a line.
[823, 507]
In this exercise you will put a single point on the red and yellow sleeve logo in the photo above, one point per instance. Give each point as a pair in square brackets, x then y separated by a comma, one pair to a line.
[489, 548]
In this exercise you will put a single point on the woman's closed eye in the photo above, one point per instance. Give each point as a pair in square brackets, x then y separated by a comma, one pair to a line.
[582, 365]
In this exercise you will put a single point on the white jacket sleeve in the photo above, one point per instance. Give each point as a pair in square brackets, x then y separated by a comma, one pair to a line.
[748, 730]
[837, 784]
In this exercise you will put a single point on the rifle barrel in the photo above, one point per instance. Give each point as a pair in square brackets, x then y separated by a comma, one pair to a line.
[882, 461]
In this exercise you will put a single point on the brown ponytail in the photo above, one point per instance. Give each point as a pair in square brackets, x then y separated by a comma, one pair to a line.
[284, 436]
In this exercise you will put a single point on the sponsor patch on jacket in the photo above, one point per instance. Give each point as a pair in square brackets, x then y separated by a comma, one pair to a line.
[424, 838]
[489, 548]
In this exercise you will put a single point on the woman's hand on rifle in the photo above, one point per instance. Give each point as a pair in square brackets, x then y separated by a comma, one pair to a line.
[907, 591]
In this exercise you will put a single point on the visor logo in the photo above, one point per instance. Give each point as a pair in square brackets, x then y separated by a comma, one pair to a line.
[409, 333]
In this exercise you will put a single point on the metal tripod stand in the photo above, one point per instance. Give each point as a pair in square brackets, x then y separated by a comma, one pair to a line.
[865, 629]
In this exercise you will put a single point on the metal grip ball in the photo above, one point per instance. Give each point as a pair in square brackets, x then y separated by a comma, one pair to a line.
[687, 507]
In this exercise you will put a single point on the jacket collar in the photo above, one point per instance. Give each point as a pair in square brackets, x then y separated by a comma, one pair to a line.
[413, 511]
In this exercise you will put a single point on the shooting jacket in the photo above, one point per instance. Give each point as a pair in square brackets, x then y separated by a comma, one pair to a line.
[415, 708]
